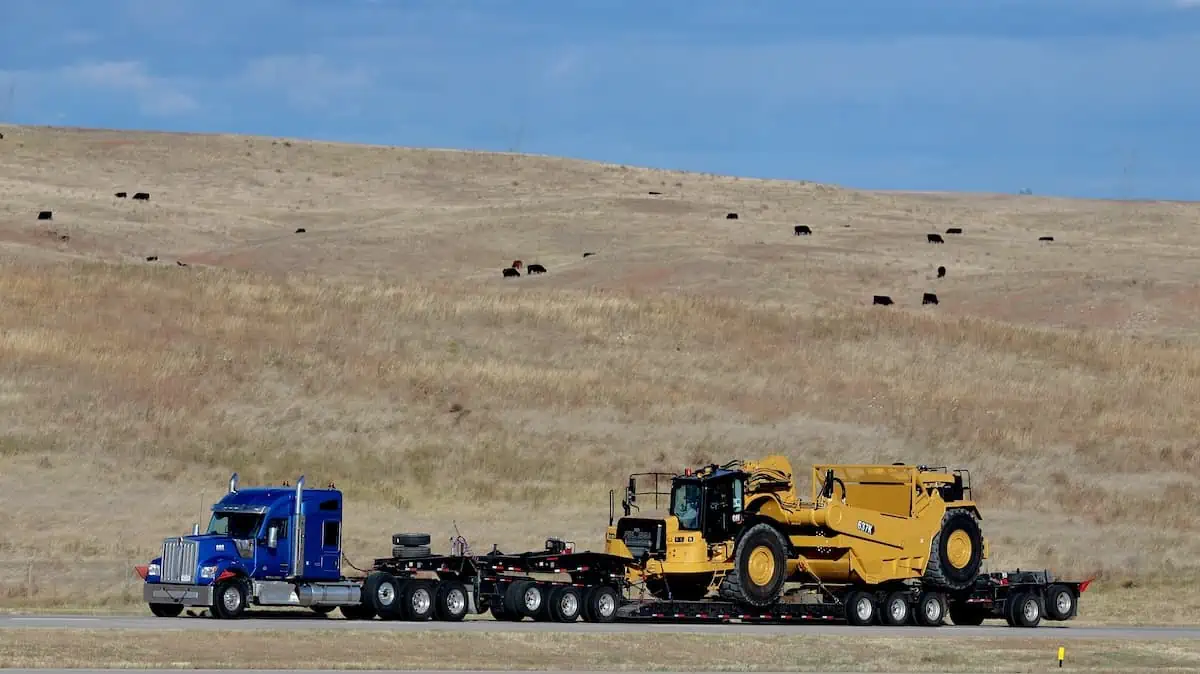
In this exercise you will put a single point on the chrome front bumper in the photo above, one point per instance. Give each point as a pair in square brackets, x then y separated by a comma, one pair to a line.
[171, 593]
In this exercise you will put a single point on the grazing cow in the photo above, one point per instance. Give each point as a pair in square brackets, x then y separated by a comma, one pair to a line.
[516, 264]
[180, 263]
[731, 216]
[300, 230]
[802, 229]
[511, 271]
[151, 258]
[653, 193]
[882, 299]
[934, 238]
[1045, 238]
[45, 215]
[929, 298]
[64, 237]
[941, 272]
[535, 269]
[1, 136]
[121, 195]
[142, 196]
[588, 254]
[954, 230]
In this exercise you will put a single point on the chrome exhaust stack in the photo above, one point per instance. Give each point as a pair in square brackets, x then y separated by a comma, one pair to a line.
[298, 531]
[233, 484]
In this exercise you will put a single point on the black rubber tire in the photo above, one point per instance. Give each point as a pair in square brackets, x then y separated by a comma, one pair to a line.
[382, 592]
[357, 611]
[166, 610]
[223, 591]
[566, 604]
[1021, 603]
[891, 613]
[519, 599]
[451, 603]
[418, 597]
[924, 612]
[737, 586]
[966, 614]
[601, 604]
[939, 572]
[408, 539]
[1054, 595]
[411, 551]
[861, 609]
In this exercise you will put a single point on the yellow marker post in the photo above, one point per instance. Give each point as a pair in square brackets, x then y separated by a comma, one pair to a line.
[1062, 653]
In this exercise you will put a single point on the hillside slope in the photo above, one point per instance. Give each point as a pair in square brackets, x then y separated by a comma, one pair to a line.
[381, 349]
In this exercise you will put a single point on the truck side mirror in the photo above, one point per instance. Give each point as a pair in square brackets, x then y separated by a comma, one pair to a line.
[272, 537]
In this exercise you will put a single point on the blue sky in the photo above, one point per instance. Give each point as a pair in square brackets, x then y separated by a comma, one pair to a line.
[1069, 97]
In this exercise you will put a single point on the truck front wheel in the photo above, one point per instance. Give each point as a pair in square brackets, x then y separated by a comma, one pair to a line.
[229, 599]
[166, 610]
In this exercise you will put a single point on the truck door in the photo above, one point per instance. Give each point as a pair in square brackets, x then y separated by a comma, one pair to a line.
[274, 563]
[719, 509]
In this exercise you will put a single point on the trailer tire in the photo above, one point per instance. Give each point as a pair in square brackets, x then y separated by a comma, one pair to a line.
[524, 599]
[382, 591]
[966, 615]
[1025, 609]
[566, 604]
[411, 551]
[417, 600]
[166, 610]
[229, 599]
[930, 610]
[1060, 602]
[407, 539]
[450, 601]
[896, 609]
[759, 567]
[951, 566]
[860, 608]
[600, 604]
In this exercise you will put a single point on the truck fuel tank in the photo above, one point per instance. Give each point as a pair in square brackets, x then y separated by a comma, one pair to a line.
[329, 594]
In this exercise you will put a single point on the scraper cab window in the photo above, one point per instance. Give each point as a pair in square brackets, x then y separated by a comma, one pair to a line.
[685, 505]
[235, 525]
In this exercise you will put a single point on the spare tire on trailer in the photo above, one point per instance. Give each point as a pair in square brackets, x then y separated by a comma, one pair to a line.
[410, 551]
[956, 552]
[408, 539]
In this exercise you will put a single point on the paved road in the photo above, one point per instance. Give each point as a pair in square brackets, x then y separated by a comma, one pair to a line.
[326, 671]
[302, 621]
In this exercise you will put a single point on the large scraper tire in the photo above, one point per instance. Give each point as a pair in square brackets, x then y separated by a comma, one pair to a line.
[956, 552]
[759, 567]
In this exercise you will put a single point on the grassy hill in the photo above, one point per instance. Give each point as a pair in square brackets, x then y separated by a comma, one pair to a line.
[382, 349]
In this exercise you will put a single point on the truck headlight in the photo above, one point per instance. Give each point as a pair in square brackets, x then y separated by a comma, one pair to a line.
[154, 570]
[208, 571]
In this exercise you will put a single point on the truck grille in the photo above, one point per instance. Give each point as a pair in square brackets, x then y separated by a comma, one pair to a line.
[179, 561]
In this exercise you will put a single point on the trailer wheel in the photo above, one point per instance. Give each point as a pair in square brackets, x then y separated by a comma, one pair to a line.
[759, 567]
[1060, 602]
[450, 601]
[417, 600]
[229, 599]
[600, 604]
[1025, 609]
[523, 599]
[382, 590]
[930, 610]
[565, 605]
[965, 614]
[860, 608]
[895, 610]
[166, 610]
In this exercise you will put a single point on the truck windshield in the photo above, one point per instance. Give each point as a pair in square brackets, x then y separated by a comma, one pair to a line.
[235, 525]
[685, 504]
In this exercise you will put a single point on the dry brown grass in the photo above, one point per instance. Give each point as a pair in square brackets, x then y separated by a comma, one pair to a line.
[287, 650]
[1064, 376]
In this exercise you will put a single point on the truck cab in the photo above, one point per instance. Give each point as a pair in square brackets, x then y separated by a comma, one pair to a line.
[270, 546]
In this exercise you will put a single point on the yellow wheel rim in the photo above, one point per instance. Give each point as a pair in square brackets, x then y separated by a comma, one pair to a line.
[958, 549]
[761, 566]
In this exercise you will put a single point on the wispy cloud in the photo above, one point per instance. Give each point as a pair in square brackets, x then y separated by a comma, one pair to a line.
[155, 95]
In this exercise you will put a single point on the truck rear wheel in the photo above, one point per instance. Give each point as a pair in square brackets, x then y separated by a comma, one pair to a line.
[956, 552]
[166, 610]
[382, 590]
[759, 567]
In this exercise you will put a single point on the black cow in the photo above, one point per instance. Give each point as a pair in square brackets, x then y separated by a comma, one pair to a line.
[941, 272]
[45, 215]
[121, 195]
[142, 196]
[588, 254]
[954, 230]
[801, 229]
[151, 258]
[653, 193]
[1045, 238]
[300, 230]
[731, 216]
[882, 299]
[509, 271]
[180, 263]
[535, 269]
[929, 298]
[1, 136]
[934, 238]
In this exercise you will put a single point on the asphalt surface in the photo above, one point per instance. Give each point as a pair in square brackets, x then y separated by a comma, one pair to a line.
[333, 671]
[304, 621]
